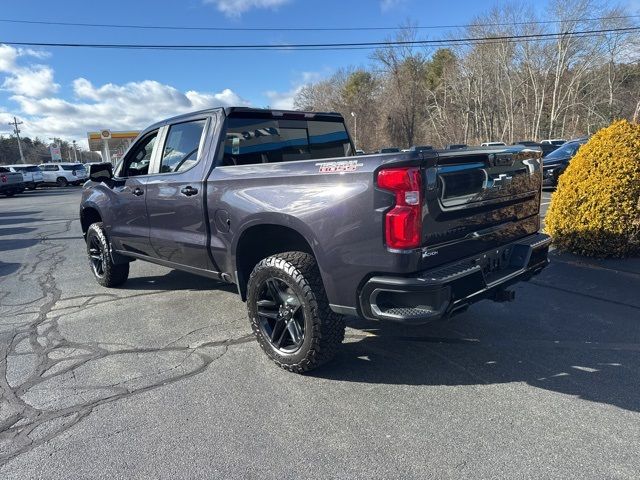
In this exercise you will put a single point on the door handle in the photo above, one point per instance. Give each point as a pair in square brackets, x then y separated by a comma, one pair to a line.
[138, 191]
[189, 190]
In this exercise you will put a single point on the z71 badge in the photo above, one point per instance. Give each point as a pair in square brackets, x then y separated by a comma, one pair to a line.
[339, 167]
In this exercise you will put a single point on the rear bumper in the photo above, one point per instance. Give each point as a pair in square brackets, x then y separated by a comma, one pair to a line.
[445, 290]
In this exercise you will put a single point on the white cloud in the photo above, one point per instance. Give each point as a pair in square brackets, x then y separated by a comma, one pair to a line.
[8, 57]
[32, 81]
[132, 105]
[235, 8]
[386, 5]
[284, 100]
[36, 81]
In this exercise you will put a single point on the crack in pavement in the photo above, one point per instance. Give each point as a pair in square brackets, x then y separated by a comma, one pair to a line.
[33, 408]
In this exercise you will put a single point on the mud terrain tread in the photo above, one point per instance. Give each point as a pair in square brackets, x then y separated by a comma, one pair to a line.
[328, 326]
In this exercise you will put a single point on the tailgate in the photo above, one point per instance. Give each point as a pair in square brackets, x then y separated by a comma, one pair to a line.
[478, 199]
[13, 178]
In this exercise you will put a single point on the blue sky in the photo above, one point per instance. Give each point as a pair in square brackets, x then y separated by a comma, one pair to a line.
[65, 92]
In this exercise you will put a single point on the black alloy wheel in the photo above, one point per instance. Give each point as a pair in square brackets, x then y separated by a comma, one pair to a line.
[106, 272]
[96, 256]
[280, 315]
[290, 314]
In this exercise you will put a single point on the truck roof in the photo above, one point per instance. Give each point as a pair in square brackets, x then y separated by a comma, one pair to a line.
[262, 112]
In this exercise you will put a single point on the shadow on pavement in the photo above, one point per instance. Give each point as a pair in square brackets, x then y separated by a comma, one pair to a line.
[176, 280]
[16, 230]
[8, 268]
[18, 217]
[17, 244]
[575, 329]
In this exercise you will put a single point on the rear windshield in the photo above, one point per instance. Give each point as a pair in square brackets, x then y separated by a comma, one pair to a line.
[72, 167]
[269, 140]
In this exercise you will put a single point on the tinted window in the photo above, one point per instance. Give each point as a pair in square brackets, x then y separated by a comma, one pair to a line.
[181, 148]
[566, 150]
[4, 170]
[138, 160]
[51, 168]
[72, 167]
[268, 140]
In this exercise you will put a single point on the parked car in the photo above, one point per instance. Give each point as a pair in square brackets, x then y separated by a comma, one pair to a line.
[554, 164]
[455, 146]
[493, 144]
[10, 182]
[389, 150]
[360, 152]
[31, 174]
[309, 232]
[63, 174]
[553, 141]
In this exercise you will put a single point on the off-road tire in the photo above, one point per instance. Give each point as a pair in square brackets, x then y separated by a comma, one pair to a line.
[113, 274]
[324, 329]
[62, 182]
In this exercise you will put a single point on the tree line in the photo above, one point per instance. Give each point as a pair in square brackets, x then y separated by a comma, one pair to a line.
[36, 151]
[501, 89]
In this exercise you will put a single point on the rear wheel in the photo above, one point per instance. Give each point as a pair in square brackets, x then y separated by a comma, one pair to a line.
[290, 313]
[62, 182]
[9, 194]
[106, 273]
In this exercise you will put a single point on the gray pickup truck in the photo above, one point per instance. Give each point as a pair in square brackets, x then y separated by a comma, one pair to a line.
[10, 182]
[277, 203]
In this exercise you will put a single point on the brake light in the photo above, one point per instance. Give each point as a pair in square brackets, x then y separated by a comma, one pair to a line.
[403, 223]
[3, 178]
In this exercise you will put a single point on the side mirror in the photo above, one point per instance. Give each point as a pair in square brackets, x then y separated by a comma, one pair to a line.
[100, 172]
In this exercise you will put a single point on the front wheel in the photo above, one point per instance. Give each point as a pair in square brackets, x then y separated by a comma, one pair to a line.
[106, 273]
[290, 313]
[62, 182]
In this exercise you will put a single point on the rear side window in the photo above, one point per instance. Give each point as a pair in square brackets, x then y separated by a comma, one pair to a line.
[268, 140]
[181, 148]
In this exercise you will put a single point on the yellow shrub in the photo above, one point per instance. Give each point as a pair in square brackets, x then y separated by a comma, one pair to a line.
[595, 210]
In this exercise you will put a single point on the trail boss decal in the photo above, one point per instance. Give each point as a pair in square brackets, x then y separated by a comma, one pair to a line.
[339, 167]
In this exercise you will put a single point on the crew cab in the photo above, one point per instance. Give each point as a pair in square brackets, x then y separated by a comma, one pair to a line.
[277, 203]
[63, 174]
[10, 182]
[31, 174]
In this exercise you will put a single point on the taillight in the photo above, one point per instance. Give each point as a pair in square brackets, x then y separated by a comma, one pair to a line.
[403, 223]
[3, 178]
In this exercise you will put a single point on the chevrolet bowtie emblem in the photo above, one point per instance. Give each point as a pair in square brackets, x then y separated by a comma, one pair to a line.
[500, 181]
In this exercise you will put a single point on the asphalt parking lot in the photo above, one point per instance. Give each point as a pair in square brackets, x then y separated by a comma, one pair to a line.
[162, 378]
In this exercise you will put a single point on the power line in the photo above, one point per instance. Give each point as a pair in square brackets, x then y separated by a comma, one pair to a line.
[303, 29]
[332, 46]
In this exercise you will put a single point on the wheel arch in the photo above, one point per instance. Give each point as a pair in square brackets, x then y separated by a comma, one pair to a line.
[260, 240]
[89, 214]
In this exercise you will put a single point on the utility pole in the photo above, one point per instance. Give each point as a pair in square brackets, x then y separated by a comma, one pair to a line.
[15, 124]
[75, 152]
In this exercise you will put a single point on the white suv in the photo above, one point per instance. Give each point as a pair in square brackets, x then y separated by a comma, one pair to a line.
[63, 174]
[31, 174]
